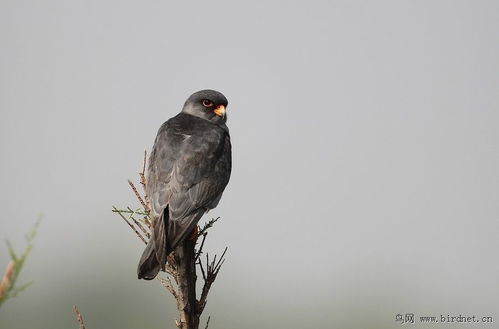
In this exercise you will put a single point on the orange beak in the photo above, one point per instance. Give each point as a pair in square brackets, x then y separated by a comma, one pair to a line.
[220, 111]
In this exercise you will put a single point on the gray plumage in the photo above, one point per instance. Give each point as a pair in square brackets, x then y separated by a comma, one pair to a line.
[188, 170]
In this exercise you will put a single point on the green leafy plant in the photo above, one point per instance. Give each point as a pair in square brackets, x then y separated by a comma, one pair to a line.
[8, 286]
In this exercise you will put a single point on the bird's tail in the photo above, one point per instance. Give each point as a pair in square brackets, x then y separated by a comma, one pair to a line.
[148, 265]
[166, 235]
[154, 256]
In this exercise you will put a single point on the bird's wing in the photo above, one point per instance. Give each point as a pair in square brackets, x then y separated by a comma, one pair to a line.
[200, 174]
[163, 156]
[188, 170]
[198, 179]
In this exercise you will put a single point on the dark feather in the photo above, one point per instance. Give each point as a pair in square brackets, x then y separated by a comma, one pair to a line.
[188, 170]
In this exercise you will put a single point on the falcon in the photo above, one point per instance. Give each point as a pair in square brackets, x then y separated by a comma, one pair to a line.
[189, 167]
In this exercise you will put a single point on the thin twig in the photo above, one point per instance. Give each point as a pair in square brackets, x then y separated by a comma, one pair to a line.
[220, 261]
[136, 222]
[207, 323]
[200, 263]
[143, 182]
[201, 246]
[129, 210]
[142, 173]
[167, 283]
[145, 220]
[79, 318]
[212, 269]
[207, 225]
[116, 210]
[137, 194]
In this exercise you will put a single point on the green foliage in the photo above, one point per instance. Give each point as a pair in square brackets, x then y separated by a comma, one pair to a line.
[8, 286]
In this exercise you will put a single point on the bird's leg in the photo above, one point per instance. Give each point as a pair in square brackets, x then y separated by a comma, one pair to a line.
[194, 234]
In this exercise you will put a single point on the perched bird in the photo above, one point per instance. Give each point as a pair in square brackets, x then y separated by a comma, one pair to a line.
[188, 170]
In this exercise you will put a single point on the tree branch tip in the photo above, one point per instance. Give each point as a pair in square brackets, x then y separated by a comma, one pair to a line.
[79, 317]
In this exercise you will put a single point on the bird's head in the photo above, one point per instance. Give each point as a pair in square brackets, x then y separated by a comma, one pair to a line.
[207, 104]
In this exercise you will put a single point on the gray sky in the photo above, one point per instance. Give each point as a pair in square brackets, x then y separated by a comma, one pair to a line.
[365, 156]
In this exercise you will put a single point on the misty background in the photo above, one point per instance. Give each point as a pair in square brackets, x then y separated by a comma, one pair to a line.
[365, 140]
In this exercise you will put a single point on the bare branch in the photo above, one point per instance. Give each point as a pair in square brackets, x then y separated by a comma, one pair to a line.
[137, 223]
[207, 225]
[220, 261]
[137, 194]
[79, 318]
[167, 283]
[212, 269]
[119, 212]
[201, 246]
[202, 270]
[207, 323]
[142, 173]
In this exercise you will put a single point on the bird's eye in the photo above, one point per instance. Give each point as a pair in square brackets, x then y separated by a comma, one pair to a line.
[207, 103]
